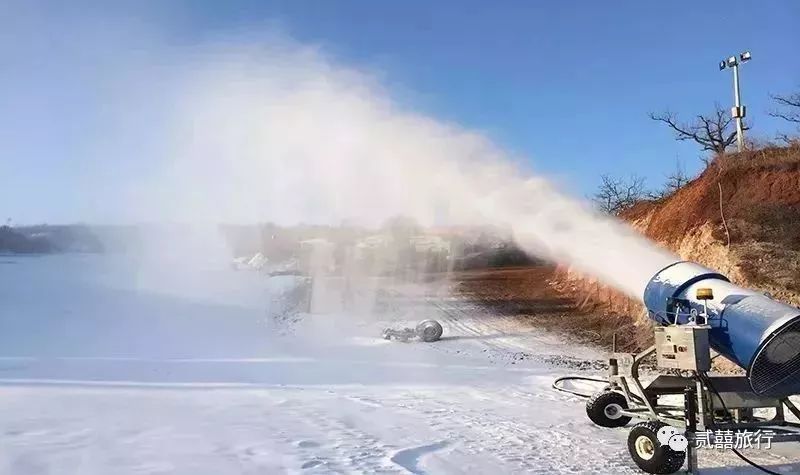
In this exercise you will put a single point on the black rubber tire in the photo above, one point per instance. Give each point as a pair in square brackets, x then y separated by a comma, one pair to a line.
[663, 460]
[602, 406]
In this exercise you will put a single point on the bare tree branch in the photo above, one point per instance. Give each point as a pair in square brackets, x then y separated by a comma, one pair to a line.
[615, 195]
[676, 180]
[792, 100]
[791, 105]
[710, 131]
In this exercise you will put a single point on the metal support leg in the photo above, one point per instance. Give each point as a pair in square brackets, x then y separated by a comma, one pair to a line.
[637, 360]
[690, 411]
[691, 459]
[792, 408]
[703, 408]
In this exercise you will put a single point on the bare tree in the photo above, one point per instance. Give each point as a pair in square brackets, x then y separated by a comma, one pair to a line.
[714, 132]
[676, 180]
[615, 195]
[790, 107]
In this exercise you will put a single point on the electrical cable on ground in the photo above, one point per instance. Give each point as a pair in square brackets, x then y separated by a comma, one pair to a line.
[584, 395]
[576, 378]
[722, 215]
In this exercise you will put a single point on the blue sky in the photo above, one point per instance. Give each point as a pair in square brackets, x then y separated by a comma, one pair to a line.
[567, 84]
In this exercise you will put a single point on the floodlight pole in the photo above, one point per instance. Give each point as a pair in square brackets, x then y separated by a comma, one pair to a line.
[738, 111]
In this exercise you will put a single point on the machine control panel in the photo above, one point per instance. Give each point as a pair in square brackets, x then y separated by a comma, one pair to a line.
[683, 347]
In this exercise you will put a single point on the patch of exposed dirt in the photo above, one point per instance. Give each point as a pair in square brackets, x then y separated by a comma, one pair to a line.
[537, 295]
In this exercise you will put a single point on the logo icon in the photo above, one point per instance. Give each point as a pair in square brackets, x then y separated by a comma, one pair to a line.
[669, 435]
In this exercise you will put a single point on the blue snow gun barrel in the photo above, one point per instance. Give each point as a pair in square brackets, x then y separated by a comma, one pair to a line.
[751, 329]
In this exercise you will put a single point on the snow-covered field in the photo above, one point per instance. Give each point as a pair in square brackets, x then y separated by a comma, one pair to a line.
[112, 366]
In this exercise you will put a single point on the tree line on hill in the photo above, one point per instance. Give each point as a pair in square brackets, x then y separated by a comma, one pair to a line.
[42, 239]
[714, 132]
[16, 242]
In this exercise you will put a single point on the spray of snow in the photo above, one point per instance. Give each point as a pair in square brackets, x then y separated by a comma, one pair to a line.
[254, 127]
[287, 135]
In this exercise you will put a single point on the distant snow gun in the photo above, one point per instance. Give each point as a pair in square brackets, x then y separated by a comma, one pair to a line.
[426, 330]
[697, 310]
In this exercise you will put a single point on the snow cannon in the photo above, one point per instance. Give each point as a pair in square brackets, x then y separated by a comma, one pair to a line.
[696, 310]
[749, 328]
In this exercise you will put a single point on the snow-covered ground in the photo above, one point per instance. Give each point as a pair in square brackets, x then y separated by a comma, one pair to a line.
[114, 366]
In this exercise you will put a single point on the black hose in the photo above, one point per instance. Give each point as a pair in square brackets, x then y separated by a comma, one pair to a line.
[753, 464]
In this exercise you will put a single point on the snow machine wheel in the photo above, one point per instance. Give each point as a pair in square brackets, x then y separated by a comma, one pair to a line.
[605, 409]
[648, 453]
[429, 330]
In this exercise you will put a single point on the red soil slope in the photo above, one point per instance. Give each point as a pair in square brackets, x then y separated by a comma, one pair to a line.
[741, 216]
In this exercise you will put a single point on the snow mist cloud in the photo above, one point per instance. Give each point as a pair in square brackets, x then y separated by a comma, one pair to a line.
[283, 133]
[249, 128]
